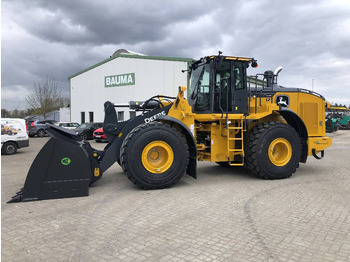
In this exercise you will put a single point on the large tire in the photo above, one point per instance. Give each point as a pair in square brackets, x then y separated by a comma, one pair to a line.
[9, 148]
[274, 150]
[41, 133]
[154, 156]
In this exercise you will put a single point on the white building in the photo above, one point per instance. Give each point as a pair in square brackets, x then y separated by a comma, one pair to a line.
[125, 76]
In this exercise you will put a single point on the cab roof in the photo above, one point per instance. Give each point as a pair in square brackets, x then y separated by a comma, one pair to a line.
[235, 58]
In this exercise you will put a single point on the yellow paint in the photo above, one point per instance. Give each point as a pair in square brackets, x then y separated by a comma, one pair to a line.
[181, 110]
[341, 108]
[310, 108]
[280, 152]
[318, 143]
[157, 157]
[223, 144]
[236, 58]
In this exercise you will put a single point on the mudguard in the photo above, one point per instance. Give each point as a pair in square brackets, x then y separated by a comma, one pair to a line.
[192, 165]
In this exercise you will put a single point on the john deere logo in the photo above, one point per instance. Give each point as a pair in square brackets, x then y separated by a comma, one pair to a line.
[282, 100]
[65, 161]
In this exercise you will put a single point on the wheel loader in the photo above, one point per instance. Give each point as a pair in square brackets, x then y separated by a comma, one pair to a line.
[339, 117]
[228, 118]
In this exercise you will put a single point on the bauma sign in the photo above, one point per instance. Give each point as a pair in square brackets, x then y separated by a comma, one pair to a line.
[120, 80]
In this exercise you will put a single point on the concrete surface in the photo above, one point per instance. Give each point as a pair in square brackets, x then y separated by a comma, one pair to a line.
[227, 214]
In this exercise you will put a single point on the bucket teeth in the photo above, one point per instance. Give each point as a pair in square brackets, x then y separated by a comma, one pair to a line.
[17, 197]
[20, 191]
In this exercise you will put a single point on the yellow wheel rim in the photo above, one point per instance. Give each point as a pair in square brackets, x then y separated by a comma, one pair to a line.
[280, 152]
[157, 157]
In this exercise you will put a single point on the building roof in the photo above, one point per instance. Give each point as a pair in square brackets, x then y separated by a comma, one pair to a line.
[129, 54]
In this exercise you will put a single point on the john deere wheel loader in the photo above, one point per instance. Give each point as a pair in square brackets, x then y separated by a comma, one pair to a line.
[229, 118]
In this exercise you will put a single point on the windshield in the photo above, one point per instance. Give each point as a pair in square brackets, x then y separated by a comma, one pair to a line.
[200, 88]
[86, 125]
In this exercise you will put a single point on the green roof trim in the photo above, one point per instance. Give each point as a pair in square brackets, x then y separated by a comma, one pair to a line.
[178, 59]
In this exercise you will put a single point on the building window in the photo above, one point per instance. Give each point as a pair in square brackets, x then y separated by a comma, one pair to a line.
[132, 114]
[82, 117]
[91, 116]
[121, 116]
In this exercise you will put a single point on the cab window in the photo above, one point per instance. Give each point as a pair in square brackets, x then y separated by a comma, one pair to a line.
[201, 88]
[239, 83]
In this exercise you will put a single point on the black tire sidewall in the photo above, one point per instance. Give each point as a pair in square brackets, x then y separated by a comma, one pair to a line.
[84, 136]
[10, 148]
[141, 140]
[279, 131]
[41, 133]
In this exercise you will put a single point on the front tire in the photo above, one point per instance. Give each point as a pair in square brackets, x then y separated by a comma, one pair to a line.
[9, 148]
[154, 156]
[84, 136]
[274, 150]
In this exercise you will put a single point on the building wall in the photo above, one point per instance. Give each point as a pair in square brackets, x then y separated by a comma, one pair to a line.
[152, 77]
[64, 114]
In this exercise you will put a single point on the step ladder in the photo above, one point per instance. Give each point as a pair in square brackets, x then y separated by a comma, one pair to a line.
[235, 148]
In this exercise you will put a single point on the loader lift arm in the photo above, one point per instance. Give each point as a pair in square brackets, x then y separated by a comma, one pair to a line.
[67, 165]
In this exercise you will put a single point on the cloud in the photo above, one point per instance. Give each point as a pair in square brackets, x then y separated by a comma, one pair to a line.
[59, 38]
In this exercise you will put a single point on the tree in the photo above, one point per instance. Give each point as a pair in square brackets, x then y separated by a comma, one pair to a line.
[45, 97]
[5, 113]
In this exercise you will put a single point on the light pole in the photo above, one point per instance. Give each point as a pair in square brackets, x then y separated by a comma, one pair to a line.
[312, 84]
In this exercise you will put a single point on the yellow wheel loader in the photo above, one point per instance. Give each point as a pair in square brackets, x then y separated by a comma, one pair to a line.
[228, 118]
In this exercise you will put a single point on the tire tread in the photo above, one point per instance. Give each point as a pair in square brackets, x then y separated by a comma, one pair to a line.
[124, 154]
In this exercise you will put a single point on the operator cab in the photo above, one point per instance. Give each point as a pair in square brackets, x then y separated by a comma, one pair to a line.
[219, 84]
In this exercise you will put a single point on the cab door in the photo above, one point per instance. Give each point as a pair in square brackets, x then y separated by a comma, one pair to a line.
[239, 85]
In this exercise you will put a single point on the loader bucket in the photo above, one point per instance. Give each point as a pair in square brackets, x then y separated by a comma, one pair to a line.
[65, 167]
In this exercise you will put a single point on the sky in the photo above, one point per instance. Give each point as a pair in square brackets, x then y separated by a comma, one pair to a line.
[43, 38]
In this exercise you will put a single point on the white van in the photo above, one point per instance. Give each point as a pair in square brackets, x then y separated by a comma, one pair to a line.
[14, 135]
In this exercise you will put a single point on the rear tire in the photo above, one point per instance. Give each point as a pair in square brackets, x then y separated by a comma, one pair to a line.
[274, 150]
[41, 133]
[9, 148]
[154, 155]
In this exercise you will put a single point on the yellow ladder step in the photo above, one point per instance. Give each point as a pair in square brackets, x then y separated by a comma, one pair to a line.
[235, 149]
[236, 164]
